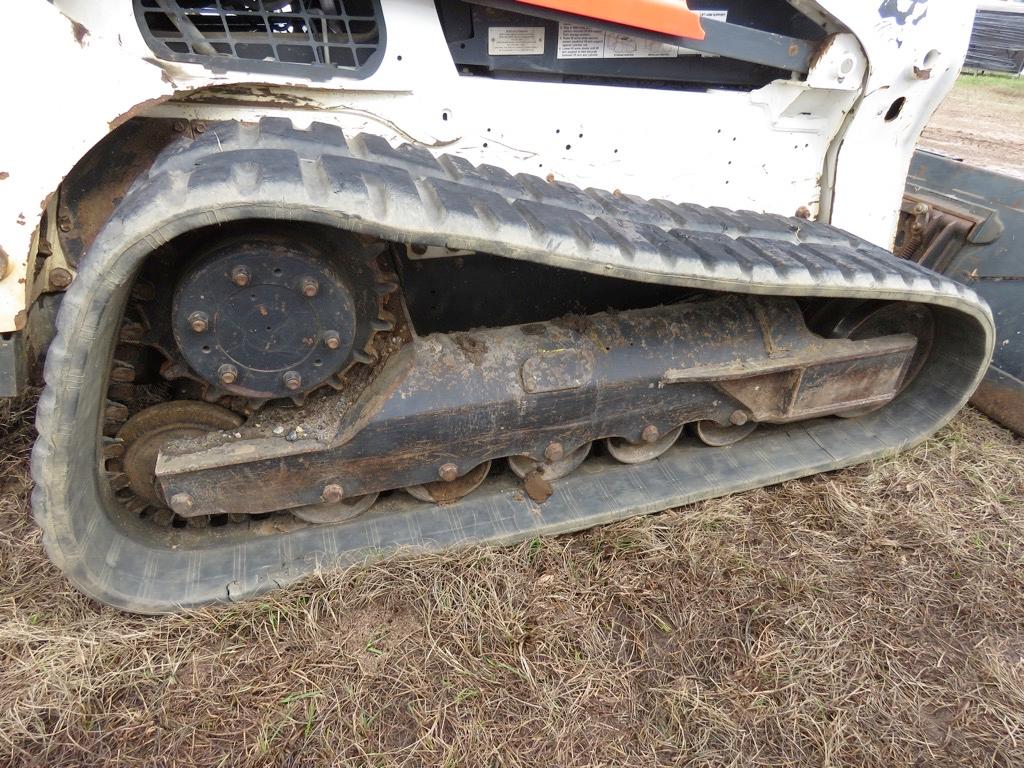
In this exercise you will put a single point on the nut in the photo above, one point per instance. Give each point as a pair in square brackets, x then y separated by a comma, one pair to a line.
[241, 276]
[738, 418]
[803, 212]
[920, 208]
[333, 493]
[650, 434]
[292, 380]
[199, 322]
[181, 503]
[60, 278]
[448, 472]
[332, 339]
[310, 287]
[227, 374]
[554, 452]
[64, 222]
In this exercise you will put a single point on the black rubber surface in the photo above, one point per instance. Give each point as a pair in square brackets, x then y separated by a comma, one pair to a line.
[272, 171]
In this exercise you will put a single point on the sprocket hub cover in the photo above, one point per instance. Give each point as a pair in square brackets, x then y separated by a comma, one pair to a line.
[268, 318]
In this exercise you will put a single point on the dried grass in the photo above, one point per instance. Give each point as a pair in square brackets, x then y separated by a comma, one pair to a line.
[868, 617]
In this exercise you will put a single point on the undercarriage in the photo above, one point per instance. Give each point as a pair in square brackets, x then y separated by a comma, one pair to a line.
[303, 351]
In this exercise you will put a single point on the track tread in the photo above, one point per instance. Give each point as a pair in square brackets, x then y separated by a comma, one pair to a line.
[273, 170]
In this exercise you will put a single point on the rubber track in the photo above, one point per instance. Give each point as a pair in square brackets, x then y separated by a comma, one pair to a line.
[273, 171]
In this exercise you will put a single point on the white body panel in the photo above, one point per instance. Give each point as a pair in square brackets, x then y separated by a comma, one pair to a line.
[823, 144]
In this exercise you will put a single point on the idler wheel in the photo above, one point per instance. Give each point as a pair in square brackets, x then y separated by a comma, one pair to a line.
[637, 453]
[444, 491]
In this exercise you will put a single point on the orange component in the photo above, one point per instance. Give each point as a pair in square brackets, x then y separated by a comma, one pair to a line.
[670, 17]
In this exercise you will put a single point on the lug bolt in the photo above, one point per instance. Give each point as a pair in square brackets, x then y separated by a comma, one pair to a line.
[448, 472]
[332, 339]
[310, 287]
[738, 418]
[554, 452]
[333, 493]
[227, 374]
[181, 503]
[60, 278]
[241, 276]
[199, 322]
[650, 434]
[292, 380]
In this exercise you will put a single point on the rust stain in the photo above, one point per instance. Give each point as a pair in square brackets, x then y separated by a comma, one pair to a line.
[4, 175]
[79, 31]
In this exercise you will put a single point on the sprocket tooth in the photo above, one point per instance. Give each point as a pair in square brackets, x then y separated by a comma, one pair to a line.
[362, 357]
[118, 481]
[113, 448]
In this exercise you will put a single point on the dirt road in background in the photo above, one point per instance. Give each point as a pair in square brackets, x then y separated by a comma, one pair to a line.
[982, 121]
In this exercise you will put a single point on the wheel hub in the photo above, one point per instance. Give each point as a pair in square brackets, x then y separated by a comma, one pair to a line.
[265, 319]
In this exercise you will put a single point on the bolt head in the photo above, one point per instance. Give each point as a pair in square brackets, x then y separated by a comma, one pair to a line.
[333, 493]
[738, 418]
[310, 287]
[920, 208]
[227, 374]
[292, 380]
[554, 452]
[60, 278]
[199, 322]
[241, 276]
[650, 434]
[448, 472]
[181, 503]
[332, 339]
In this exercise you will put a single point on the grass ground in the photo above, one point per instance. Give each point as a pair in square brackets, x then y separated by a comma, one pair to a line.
[869, 617]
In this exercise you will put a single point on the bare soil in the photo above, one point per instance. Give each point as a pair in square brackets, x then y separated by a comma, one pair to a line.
[982, 121]
[868, 617]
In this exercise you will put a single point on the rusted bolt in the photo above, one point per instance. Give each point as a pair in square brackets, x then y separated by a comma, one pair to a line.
[920, 208]
[199, 322]
[199, 127]
[182, 503]
[739, 418]
[333, 493]
[448, 472]
[332, 339]
[310, 287]
[650, 434]
[418, 249]
[241, 276]
[179, 126]
[64, 222]
[292, 380]
[554, 452]
[60, 278]
[227, 374]
[803, 212]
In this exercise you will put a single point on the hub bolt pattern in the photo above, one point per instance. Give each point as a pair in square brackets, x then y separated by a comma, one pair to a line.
[310, 287]
[241, 276]
[199, 322]
[227, 374]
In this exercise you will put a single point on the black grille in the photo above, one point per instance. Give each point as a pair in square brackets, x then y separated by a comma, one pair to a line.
[276, 36]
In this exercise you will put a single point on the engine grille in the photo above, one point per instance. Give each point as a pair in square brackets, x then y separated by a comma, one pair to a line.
[317, 38]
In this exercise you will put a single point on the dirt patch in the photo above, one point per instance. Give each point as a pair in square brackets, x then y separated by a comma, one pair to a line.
[870, 617]
[982, 121]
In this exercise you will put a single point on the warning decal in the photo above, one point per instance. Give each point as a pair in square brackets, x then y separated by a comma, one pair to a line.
[578, 41]
[515, 41]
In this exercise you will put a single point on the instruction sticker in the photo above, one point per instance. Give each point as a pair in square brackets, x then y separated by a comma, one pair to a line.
[515, 41]
[578, 41]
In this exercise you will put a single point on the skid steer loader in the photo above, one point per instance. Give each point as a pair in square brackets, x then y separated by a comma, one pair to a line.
[320, 279]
